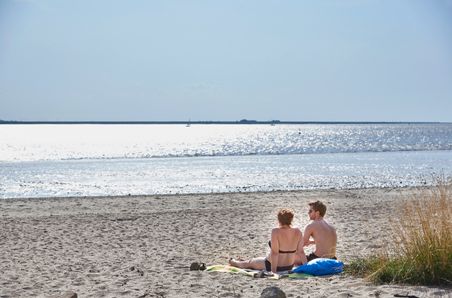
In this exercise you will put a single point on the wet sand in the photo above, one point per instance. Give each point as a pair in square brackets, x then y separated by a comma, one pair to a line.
[143, 246]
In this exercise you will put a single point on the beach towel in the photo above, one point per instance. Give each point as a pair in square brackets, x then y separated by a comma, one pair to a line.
[256, 273]
[320, 266]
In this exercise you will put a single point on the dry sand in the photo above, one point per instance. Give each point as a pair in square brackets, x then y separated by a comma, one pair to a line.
[90, 245]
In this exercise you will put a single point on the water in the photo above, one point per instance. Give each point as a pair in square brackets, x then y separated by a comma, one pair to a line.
[61, 142]
[83, 160]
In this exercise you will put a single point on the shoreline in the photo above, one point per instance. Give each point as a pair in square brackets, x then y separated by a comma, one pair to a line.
[222, 175]
[89, 244]
[266, 192]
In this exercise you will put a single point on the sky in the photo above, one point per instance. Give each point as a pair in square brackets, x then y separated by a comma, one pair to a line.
[336, 60]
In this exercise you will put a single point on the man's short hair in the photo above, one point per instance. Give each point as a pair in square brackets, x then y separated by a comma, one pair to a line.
[318, 206]
[285, 216]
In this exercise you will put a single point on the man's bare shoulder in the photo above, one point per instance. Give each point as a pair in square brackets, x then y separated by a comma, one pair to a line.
[309, 226]
[318, 224]
[312, 224]
[329, 225]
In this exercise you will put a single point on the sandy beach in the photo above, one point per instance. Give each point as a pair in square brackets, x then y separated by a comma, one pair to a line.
[143, 246]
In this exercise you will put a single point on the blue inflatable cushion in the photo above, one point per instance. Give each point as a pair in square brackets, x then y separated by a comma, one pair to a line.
[320, 266]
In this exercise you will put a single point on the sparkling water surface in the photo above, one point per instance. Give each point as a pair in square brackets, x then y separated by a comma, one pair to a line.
[85, 160]
[61, 142]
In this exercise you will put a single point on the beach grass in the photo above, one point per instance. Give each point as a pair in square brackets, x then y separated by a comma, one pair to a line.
[420, 244]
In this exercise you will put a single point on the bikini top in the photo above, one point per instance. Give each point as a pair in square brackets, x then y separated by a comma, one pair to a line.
[283, 251]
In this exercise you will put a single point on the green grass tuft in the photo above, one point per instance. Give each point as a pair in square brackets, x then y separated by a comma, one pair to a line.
[422, 238]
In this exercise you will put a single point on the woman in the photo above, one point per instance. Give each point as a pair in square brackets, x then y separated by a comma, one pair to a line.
[286, 246]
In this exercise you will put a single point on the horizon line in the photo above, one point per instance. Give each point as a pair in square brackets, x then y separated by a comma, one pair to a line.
[242, 121]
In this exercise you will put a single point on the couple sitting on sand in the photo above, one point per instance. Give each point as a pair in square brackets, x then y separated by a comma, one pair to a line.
[286, 245]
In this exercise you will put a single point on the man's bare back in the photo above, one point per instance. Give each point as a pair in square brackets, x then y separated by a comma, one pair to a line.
[324, 236]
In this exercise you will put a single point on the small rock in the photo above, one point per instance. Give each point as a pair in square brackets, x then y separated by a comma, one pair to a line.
[69, 294]
[140, 272]
[273, 292]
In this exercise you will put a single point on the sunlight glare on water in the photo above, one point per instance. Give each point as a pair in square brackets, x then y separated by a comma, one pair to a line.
[87, 160]
[62, 142]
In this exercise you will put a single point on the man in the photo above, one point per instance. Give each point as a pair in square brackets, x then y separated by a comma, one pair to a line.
[323, 233]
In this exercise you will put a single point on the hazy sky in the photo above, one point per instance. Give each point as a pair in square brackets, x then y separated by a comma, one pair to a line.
[341, 60]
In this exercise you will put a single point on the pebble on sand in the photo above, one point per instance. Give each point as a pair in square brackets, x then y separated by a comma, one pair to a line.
[69, 294]
[273, 292]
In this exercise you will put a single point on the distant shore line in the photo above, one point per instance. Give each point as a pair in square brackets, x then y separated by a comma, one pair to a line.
[242, 122]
